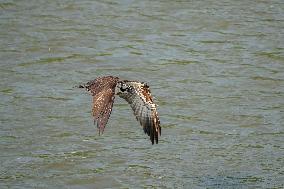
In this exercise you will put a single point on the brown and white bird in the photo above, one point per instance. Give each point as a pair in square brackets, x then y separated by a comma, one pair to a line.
[137, 94]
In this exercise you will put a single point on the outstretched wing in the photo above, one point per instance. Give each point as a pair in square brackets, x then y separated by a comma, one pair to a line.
[139, 97]
[103, 91]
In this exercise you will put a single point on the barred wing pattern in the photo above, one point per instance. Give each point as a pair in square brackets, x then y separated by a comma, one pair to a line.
[139, 97]
[103, 92]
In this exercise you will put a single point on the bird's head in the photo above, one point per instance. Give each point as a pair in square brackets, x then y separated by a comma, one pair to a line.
[121, 87]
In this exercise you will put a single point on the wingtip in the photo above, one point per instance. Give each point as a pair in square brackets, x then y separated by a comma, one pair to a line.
[155, 141]
[152, 140]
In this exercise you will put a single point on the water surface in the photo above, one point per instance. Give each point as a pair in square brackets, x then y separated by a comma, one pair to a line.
[214, 67]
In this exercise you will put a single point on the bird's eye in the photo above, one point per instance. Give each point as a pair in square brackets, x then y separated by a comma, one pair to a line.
[123, 87]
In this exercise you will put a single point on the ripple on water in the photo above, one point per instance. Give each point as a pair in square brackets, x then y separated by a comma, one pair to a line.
[215, 69]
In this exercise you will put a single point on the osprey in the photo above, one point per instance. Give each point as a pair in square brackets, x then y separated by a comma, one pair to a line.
[137, 94]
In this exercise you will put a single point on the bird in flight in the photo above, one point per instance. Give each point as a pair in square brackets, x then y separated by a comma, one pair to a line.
[137, 94]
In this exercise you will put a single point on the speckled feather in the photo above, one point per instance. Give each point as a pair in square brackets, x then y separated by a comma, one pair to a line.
[103, 92]
[137, 94]
[139, 97]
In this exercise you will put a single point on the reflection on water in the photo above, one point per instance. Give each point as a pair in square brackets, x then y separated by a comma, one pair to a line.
[215, 68]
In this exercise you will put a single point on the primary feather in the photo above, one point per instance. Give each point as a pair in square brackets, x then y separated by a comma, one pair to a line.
[137, 94]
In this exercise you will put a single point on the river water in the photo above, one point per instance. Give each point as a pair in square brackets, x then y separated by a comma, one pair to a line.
[216, 69]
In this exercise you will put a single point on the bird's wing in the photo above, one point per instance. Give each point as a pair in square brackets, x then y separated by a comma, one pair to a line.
[103, 91]
[139, 97]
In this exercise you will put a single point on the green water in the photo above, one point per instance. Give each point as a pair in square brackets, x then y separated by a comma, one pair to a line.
[216, 69]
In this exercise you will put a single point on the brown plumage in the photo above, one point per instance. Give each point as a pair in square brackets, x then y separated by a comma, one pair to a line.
[137, 94]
